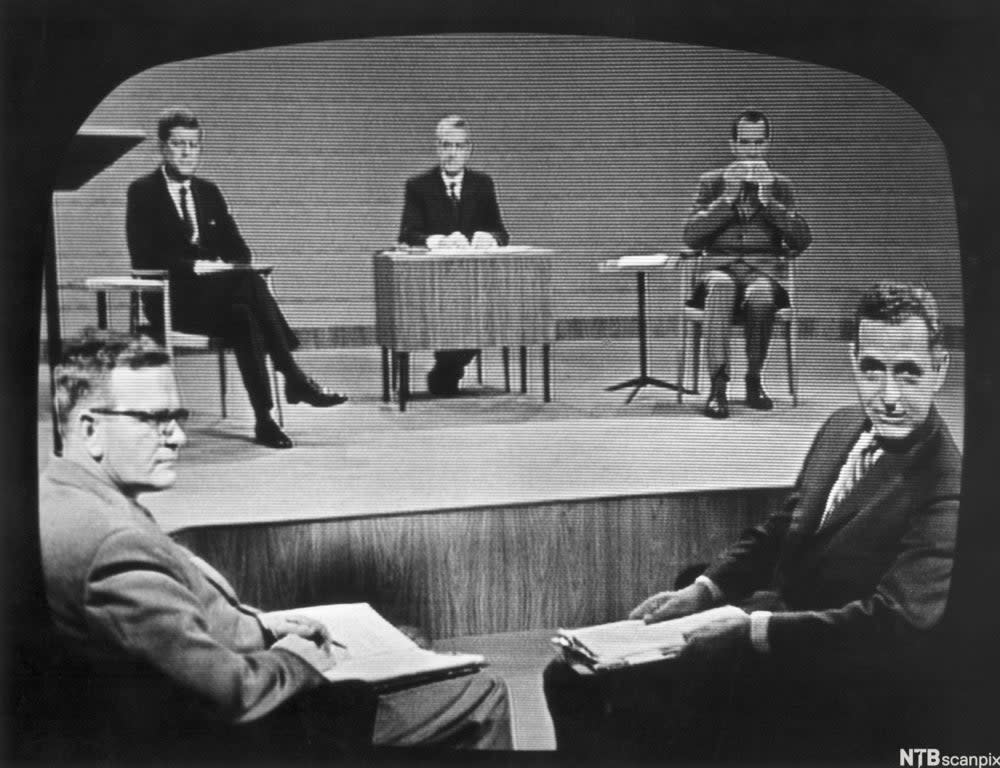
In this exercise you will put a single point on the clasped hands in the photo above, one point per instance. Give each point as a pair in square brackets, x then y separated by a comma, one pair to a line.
[741, 172]
[480, 240]
[306, 638]
[717, 637]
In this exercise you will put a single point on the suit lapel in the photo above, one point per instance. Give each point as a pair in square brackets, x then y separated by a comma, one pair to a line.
[166, 203]
[881, 481]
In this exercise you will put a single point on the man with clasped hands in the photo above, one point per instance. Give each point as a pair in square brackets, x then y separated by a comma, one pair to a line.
[843, 588]
[744, 219]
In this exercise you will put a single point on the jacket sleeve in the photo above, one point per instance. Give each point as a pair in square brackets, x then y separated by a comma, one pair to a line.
[709, 214]
[786, 219]
[908, 601]
[413, 226]
[136, 597]
[492, 221]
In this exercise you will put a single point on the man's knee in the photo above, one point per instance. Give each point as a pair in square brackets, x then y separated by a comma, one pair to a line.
[719, 284]
[759, 295]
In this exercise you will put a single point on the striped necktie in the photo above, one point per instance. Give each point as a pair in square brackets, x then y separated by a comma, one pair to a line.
[863, 455]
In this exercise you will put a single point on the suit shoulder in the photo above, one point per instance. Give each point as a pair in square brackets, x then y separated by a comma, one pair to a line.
[478, 176]
[711, 177]
[145, 183]
[423, 178]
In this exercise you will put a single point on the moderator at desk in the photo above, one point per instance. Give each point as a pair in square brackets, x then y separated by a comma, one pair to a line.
[462, 298]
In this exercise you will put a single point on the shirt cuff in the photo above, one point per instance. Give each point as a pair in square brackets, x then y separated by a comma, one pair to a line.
[759, 621]
[711, 586]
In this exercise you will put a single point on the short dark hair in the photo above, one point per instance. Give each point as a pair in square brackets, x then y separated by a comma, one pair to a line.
[751, 116]
[86, 365]
[891, 302]
[175, 117]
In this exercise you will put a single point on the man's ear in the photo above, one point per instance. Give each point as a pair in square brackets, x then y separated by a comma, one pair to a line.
[90, 433]
[941, 361]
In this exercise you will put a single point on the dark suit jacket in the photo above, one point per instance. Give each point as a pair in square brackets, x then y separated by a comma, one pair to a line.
[871, 585]
[157, 240]
[427, 209]
[717, 228]
[131, 599]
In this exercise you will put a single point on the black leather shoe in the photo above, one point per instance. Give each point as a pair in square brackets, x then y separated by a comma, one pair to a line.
[269, 434]
[303, 389]
[756, 396]
[442, 384]
[717, 406]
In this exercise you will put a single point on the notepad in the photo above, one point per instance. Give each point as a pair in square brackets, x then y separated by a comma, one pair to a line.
[379, 653]
[628, 643]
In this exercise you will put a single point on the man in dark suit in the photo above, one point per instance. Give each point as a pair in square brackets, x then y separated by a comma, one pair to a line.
[159, 626]
[179, 222]
[744, 218]
[451, 206]
[843, 588]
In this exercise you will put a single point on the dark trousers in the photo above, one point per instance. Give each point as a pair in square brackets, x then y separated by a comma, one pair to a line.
[238, 307]
[743, 706]
[450, 363]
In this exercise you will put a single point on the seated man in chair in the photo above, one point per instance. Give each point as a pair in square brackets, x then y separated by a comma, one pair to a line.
[843, 588]
[744, 219]
[126, 597]
[179, 222]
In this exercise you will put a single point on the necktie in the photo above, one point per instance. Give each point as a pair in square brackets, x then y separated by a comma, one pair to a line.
[861, 458]
[453, 194]
[185, 214]
[745, 204]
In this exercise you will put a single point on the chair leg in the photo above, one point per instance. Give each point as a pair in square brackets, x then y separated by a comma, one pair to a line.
[223, 387]
[277, 393]
[683, 360]
[696, 355]
[790, 357]
[479, 367]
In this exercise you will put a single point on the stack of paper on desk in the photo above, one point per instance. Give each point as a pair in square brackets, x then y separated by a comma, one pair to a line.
[378, 653]
[631, 642]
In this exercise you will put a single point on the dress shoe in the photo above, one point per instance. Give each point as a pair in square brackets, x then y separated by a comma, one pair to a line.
[717, 406]
[302, 389]
[269, 434]
[442, 383]
[756, 396]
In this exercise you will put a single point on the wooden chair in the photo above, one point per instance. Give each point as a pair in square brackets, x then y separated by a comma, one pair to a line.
[693, 317]
[156, 283]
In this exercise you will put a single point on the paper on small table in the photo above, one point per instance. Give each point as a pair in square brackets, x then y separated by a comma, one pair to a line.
[666, 260]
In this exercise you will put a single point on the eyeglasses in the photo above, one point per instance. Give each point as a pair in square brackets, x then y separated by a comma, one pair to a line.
[161, 420]
[453, 144]
[182, 143]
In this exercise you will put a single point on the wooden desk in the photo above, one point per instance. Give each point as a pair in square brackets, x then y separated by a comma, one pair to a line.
[453, 299]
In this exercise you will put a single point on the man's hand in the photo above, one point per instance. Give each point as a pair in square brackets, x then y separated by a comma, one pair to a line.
[734, 176]
[204, 267]
[321, 659]
[672, 604]
[303, 626]
[456, 240]
[718, 637]
[761, 175]
[483, 240]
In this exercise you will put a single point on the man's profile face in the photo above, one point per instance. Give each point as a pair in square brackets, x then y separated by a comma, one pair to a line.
[453, 149]
[751, 142]
[182, 150]
[140, 456]
[897, 375]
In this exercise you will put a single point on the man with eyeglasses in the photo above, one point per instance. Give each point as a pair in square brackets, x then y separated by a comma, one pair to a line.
[843, 589]
[745, 220]
[179, 222]
[164, 634]
[451, 206]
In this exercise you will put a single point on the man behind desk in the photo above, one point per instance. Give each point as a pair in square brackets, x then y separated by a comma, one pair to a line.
[178, 222]
[451, 206]
[744, 218]
[149, 615]
[853, 570]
